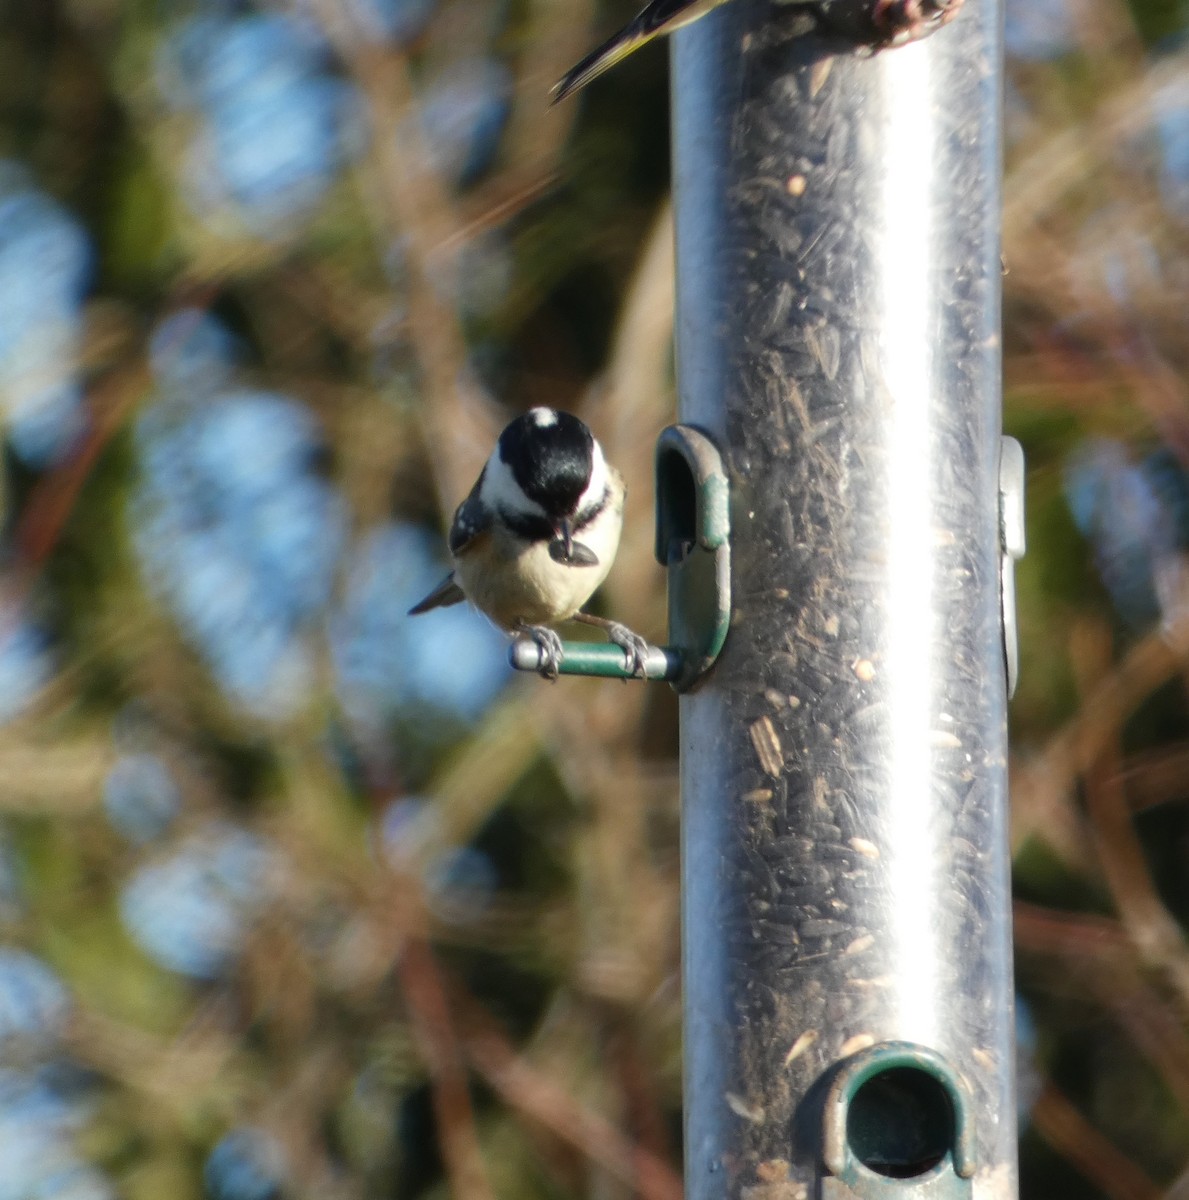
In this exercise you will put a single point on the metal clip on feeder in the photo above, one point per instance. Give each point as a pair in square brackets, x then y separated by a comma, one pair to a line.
[693, 543]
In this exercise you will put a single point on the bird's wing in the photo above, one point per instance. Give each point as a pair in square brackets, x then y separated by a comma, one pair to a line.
[471, 521]
[661, 16]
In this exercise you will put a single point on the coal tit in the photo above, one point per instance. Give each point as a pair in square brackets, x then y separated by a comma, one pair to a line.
[538, 534]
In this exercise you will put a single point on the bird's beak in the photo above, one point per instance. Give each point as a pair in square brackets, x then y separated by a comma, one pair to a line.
[567, 537]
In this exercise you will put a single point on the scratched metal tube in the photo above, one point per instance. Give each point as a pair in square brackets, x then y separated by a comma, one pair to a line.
[845, 865]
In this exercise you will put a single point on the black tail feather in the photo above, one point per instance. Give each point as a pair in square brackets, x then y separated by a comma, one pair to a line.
[613, 50]
[446, 593]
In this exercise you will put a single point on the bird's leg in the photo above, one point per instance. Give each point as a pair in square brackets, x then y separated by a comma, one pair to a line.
[634, 647]
[549, 644]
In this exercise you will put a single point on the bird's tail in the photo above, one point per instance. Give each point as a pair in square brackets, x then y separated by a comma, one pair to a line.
[615, 49]
[447, 592]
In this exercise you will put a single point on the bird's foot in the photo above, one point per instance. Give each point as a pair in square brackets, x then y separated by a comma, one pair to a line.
[903, 21]
[634, 647]
[550, 646]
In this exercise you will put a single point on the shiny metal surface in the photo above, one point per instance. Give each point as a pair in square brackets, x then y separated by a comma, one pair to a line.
[844, 766]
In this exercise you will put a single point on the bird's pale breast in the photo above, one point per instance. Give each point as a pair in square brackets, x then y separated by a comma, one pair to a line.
[515, 582]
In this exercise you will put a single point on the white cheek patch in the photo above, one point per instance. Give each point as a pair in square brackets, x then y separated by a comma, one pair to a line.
[543, 417]
[598, 479]
[501, 491]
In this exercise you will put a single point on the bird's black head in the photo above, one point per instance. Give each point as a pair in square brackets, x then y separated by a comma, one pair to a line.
[551, 456]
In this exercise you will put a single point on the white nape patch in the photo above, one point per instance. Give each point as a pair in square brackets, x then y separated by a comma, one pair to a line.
[500, 489]
[598, 478]
[543, 417]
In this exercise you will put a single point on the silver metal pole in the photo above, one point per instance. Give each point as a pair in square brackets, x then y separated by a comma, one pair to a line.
[844, 767]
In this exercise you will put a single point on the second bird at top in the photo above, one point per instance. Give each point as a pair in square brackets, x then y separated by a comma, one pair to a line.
[892, 22]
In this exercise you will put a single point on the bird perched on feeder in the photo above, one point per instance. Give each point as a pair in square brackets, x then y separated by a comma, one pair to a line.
[894, 22]
[537, 535]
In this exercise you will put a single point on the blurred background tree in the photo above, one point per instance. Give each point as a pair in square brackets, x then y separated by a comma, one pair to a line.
[300, 898]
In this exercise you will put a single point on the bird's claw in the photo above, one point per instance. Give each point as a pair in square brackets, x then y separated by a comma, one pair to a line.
[549, 644]
[634, 647]
[902, 21]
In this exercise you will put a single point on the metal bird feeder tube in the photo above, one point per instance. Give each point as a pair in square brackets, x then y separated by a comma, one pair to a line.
[847, 955]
